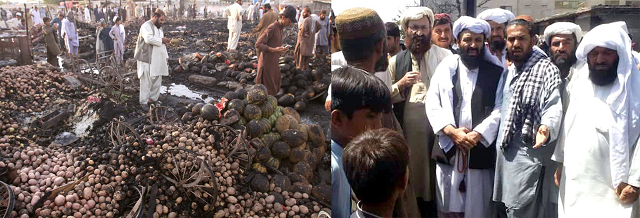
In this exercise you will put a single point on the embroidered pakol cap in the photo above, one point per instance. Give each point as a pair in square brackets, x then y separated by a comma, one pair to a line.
[358, 23]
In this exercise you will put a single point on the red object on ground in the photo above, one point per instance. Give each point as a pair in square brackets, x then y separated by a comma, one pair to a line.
[220, 105]
[227, 62]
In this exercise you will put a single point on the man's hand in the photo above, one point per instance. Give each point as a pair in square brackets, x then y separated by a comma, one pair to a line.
[557, 176]
[627, 194]
[165, 40]
[280, 50]
[542, 136]
[327, 105]
[458, 135]
[409, 79]
[473, 137]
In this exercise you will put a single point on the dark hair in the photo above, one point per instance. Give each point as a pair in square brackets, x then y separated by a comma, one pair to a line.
[323, 12]
[158, 13]
[267, 6]
[361, 49]
[521, 22]
[441, 21]
[375, 163]
[46, 19]
[392, 29]
[353, 89]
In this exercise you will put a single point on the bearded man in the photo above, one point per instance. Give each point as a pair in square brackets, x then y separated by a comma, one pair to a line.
[498, 19]
[466, 124]
[411, 72]
[599, 170]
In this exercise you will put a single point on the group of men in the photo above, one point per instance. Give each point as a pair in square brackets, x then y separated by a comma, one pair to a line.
[313, 38]
[494, 125]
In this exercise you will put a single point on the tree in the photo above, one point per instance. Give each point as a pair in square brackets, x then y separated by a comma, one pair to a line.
[55, 2]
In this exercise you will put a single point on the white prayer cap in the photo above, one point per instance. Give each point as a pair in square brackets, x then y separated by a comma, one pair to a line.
[497, 15]
[19, 14]
[562, 28]
[115, 18]
[416, 13]
[472, 24]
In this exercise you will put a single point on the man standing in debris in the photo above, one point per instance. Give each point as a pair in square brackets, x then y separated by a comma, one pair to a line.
[151, 55]
[3, 13]
[234, 24]
[87, 14]
[70, 34]
[250, 10]
[598, 171]
[531, 115]
[322, 37]
[35, 15]
[118, 40]
[268, 18]
[467, 123]
[497, 18]
[411, 72]
[58, 20]
[270, 48]
[96, 16]
[306, 38]
[51, 41]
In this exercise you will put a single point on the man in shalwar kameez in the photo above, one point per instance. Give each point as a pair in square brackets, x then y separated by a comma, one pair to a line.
[118, 40]
[269, 46]
[466, 124]
[234, 24]
[597, 151]
[563, 39]
[531, 114]
[411, 72]
[70, 34]
[306, 38]
[151, 73]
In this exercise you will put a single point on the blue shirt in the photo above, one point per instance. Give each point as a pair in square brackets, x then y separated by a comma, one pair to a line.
[340, 188]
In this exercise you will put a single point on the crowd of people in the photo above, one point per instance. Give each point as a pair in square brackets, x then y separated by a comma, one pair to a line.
[485, 116]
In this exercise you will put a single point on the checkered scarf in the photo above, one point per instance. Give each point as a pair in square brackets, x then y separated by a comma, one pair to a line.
[537, 80]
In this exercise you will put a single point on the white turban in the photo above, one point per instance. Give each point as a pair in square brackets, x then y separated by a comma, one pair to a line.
[477, 26]
[115, 18]
[416, 13]
[497, 15]
[624, 98]
[472, 24]
[562, 28]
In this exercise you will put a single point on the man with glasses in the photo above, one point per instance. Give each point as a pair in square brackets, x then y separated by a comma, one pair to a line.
[411, 72]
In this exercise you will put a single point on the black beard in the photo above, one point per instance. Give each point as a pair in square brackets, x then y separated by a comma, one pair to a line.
[471, 62]
[420, 44]
[383, 62]
[497, 45]
[157, 24]
[563, 64]
[604, 77]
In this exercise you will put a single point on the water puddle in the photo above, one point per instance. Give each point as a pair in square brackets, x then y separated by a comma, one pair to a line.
[184, 91]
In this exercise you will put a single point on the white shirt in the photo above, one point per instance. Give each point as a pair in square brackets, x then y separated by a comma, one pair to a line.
[159, 55]
[36, 17]
[235, 18]
[123, 33]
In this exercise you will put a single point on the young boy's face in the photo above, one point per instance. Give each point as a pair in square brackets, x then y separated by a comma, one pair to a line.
[363, 119]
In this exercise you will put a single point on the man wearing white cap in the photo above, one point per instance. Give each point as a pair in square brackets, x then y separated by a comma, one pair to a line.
[563, 39]
[411, 71]
[597, 152]
[466, 124]
[497, 19]
[531, 115]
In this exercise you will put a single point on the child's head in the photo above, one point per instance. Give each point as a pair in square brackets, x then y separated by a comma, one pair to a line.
[358, 100]
[376, 163]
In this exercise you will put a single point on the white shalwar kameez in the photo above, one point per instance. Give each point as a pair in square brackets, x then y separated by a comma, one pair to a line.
[234, 24]
[151, 74]
[479, 182]
[592, 128]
